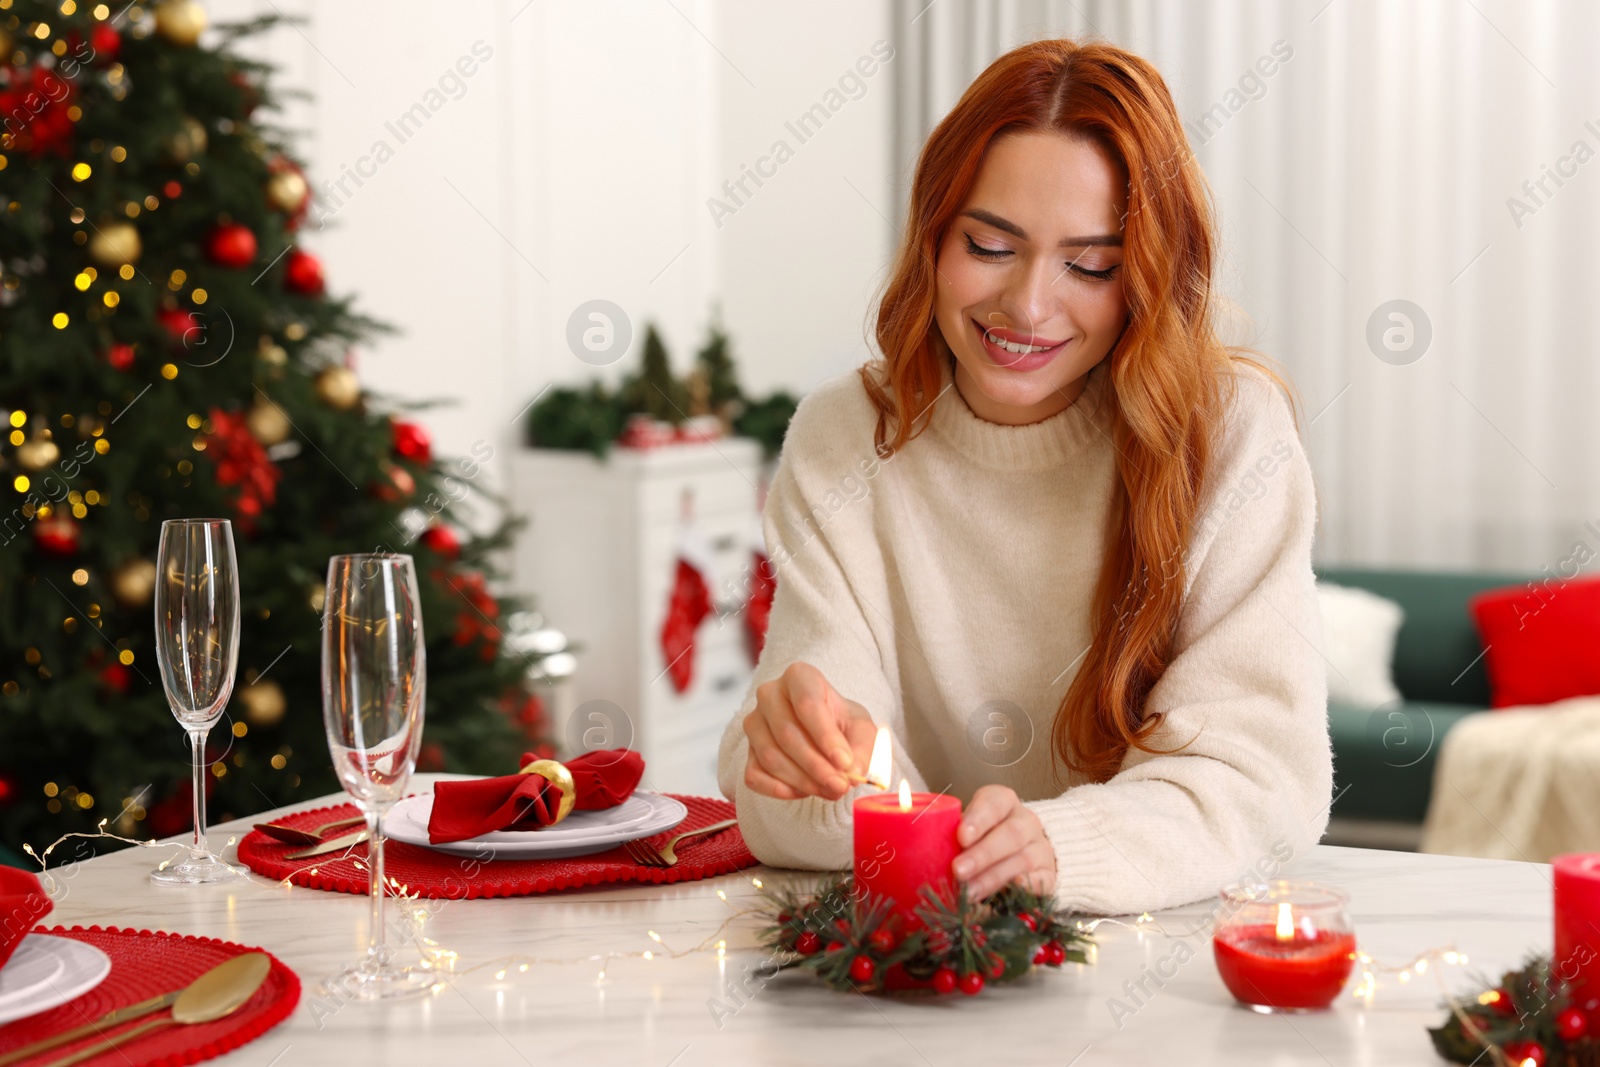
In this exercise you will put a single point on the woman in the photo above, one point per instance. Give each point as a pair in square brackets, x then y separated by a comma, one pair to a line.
[1058, 538]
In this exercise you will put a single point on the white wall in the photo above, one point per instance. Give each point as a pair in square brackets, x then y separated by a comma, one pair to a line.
[576, 164]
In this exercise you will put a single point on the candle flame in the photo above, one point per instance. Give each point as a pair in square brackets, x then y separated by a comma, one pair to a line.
[905, 795]
[882, 763]
[1285, 923]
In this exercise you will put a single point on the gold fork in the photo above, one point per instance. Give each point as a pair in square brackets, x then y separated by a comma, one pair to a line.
[645, 854]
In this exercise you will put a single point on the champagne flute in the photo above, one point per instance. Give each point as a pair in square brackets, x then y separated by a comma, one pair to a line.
[374, 673]
[197, 647]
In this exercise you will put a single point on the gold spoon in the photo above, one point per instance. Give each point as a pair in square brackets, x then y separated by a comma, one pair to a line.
[219, 992]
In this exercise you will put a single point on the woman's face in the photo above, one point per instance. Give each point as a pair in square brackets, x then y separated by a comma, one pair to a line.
[1033, 260]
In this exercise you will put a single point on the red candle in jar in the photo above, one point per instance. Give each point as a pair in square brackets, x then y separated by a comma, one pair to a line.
[902, 843]
[1301, 971]
[1577, 929]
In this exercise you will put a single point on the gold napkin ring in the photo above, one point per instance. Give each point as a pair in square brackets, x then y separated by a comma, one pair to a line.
[559, 777]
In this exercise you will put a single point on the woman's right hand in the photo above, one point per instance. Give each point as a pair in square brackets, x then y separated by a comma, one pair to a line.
[805, 738]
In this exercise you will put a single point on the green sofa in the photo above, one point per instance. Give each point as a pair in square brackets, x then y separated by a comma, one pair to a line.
[1383, 758]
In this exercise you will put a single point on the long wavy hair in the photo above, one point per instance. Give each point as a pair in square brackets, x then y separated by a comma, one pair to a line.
[1169, 370]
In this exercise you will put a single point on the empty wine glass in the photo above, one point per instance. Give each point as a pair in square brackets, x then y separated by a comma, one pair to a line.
[197, 647]
[374, 674]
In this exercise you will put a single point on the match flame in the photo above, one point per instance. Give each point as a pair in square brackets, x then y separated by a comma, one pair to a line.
[1285, 923]
[905, 795]
[882, 763]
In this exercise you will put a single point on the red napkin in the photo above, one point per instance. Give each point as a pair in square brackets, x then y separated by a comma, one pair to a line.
[464, 810]
[22, 905]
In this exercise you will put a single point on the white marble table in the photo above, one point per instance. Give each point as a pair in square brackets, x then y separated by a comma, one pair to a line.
[663, 1011]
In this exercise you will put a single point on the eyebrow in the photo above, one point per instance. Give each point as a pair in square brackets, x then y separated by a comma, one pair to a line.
[1108, 239]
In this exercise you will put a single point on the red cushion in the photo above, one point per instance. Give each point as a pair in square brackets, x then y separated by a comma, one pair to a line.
[1542, 640]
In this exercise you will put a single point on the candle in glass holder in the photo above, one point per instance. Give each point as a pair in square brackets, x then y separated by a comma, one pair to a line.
[1577, 929]
[904, 840]
[1284, 946]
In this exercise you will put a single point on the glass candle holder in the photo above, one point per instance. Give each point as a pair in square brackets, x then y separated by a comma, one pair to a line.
[1284, 945]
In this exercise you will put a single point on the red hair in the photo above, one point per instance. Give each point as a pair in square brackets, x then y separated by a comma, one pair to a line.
[1167, 371]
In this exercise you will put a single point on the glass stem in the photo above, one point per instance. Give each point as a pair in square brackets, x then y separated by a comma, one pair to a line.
[376, 952]
[197, 743]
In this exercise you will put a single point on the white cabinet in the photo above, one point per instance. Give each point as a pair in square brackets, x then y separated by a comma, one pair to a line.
[599, 559]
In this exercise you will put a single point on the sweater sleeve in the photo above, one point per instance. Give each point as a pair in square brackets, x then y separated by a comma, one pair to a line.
[820, 615]
[1246, 686]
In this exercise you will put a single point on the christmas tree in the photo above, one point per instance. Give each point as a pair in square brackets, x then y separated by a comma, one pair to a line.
[653, 390]
[167, 349]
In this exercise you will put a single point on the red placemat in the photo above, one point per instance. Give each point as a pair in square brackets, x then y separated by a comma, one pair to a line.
[424, 872]
[145, 964]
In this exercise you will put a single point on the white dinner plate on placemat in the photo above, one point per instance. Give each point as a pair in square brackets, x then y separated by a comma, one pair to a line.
[582, 833]
[46, 972]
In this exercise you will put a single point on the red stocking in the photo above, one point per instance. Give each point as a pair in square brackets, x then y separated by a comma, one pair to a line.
[763, 581]
[690, 603]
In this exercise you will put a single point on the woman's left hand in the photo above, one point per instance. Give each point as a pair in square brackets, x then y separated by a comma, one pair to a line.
[1003, 841]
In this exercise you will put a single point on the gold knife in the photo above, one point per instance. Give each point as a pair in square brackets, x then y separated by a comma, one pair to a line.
[338, 844]
[112, 1018]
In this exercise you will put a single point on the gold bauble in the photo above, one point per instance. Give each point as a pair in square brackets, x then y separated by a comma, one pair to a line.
[268, 424]
[179, 22]
[133, 583]
[37, 454]
[6, 45]
[287, 191]
[189, 141]
[111, 244]
[338, 388]
[264, 703]
[273, 355]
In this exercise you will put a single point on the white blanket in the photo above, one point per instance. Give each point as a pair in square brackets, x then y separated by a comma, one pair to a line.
[1520, 784]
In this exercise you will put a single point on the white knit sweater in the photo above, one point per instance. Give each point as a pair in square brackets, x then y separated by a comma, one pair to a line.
[947, 590]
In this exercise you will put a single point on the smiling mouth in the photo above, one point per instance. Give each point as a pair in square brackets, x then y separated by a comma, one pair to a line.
[1024, 356]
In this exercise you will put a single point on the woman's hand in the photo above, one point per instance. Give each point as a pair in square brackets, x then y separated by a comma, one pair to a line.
[805, 738]
[1003, 842]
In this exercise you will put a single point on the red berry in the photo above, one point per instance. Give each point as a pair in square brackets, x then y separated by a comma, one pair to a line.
[807, 944]
[1028, 920]
[971, 984]
[1571, 1024]
[1058, 955]
[842, 926]
[881, 941]
[862, 969]
[1524, 1053]
[979, 938]
[998, 969]
[1041, 955]
[834, 946]
[944, 980]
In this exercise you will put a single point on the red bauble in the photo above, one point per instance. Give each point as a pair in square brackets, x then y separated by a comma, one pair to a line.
[1523, 1052]
[1502, 1004]
[862, 969]
[398, 486]
[231, 245]
[56, 536]
[8, 789]
[120, 356]
[171, 190]
[116, 677]
[1571, 1024]
[180, 325]
[412, 442]
[944, 980]
[443, 540]
[971, 984]
[106, 42]
[807, 944]
[302, 273]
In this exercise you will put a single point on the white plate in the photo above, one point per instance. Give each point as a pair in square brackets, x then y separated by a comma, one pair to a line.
[31, 967]
[82, 968]
[580, 834]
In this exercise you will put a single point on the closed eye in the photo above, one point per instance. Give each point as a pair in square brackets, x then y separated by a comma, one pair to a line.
[984, 252]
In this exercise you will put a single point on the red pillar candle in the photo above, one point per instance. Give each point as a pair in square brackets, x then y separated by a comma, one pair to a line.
[1284, 945]
[1577, 940]
[902, 843]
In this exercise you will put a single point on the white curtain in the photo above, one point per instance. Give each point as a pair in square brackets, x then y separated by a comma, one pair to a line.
[1378, 162]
